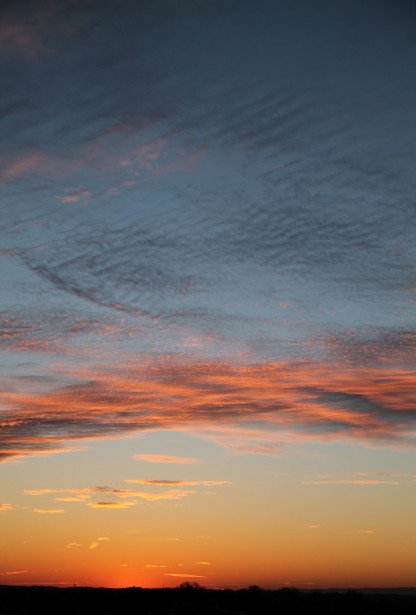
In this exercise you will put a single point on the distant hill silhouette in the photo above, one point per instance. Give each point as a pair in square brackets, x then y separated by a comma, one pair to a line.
[191, 598]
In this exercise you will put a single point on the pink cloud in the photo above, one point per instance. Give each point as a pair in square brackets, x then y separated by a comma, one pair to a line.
[259, 408]
[20, 166]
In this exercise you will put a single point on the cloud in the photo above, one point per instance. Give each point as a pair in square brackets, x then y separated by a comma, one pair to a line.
[388, 475]
[184, 575]
[166, 459]
[95, 544]
[20, 166]
[49, 511]
[76, 196]
[80, 494]
[366, 532]
[80, 498]
[178, 483]
[84, 494]
[351, 482]
[155, 566]
[111, 504]
[282, 225]
[5, 507]
[259, 408]
[13, 572]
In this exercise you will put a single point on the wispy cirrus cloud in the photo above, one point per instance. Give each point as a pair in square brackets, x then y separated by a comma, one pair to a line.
[179, 483]
[155, 566]
[166, 459]
[351, 481]
[111, 504]
[184, 575]
[21, 165]
[5, 507]
[96, 543]
[49, 511]
[85, 494]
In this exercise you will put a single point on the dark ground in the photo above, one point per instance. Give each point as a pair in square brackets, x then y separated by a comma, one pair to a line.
[188, 599]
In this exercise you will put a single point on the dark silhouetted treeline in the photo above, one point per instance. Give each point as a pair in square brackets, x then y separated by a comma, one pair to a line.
[190, 598]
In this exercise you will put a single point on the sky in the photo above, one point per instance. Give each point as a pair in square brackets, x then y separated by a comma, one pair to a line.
[208, 293]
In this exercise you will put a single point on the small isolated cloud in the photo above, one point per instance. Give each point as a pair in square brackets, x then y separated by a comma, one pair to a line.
[173, 539]
[95, 544]
[12, 572]
[184, 575]
[203, 563]
[73, 545]
[39, 491]
[166, 459]
[75, 196]
[172, 494]
[49, 511]
[351, 482]
[155, 566]
[366, 532]
[178, 483]
[80, 498]
[111, 504]
[5, 507]
[20, 166]
[75, 494]
[313, 527]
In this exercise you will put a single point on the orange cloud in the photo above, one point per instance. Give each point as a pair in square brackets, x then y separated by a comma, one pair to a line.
[155, 566]
[48, 511]
[12, 572]
[179, 483]
[80, 498]
[166, 459]
[5, 507]
[184, 575]
[366, 532]
[95, 544]
[81, 492]
[257, 408]
[111, 504]
[85, 493]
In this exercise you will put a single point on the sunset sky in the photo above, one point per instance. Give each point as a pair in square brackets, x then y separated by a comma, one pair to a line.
[208, 293]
